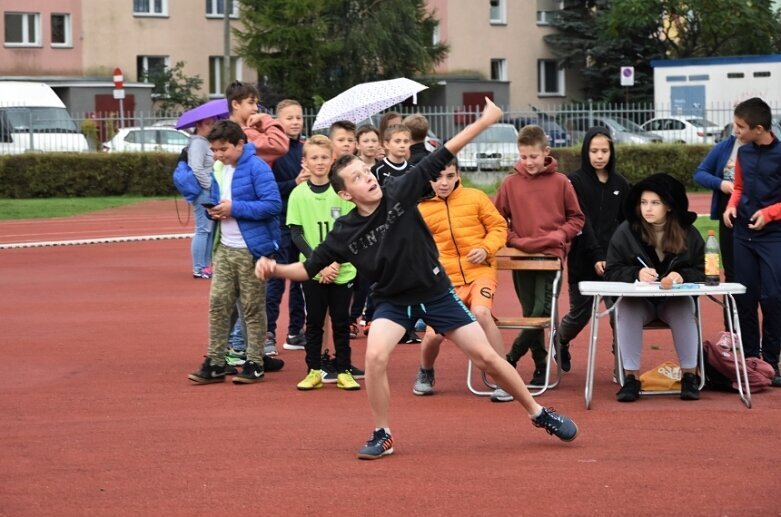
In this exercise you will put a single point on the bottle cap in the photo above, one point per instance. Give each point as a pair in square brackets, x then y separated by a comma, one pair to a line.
[712, 232]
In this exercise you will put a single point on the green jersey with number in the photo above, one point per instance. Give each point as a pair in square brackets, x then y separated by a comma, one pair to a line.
[316, 213]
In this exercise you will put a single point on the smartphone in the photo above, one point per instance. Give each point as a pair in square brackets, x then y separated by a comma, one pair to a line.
[208, 205]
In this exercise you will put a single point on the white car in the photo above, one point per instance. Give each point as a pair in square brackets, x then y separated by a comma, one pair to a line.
[684, 130]
[156, 139]
[496, 148]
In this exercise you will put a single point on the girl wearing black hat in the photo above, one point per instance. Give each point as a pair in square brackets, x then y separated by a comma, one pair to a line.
[657, 241]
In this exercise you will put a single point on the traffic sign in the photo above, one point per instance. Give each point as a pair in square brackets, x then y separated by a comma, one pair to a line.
[627, 76]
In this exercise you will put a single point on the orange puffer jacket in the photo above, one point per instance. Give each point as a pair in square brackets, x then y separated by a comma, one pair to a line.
[467, 219]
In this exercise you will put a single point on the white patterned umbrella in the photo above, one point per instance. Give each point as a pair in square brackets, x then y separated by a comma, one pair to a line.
[364, 100]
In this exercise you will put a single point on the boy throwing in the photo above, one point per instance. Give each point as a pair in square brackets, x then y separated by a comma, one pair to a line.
[387, 240]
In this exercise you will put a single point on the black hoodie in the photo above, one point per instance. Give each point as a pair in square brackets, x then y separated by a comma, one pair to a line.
[602, 204]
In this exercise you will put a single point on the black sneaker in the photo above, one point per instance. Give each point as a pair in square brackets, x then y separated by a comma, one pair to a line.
[630, 391]
[538, 378]
[209, 374]
[776, 381]
[513, 362]
[356, 372]
[251, 373]
[379, 445]
[409, 338]
[272, 364]
[690, 386]
[559, 425]
[328, 368]
[564, 358]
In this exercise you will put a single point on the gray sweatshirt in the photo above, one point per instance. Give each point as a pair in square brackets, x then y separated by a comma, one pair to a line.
[200, 160]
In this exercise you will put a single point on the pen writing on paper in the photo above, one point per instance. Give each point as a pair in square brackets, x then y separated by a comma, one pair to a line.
[641, 261]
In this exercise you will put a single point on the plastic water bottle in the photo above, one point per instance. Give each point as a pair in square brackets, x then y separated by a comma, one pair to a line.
[712, 266]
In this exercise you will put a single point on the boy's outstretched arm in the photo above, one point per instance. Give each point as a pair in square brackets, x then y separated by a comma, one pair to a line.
[491, 115]
[266, 268]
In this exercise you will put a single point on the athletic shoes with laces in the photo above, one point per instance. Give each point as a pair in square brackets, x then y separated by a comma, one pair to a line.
[270, 345]
[328, 368]
[559, 425]
[499, 395]
[209, 374]
[295, 342]
[346, 381]
[356, 372]
[354, 330]
[690, 386]
[236, 357]
[379, 445]
[565, 359]
[312, 381]
[251, 373]
[272, 364]
[538, 378]
[424, 383]
[630, 391]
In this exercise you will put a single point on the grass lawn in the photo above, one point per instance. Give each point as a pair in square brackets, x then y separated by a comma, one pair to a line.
[705, 223]
[61, 207]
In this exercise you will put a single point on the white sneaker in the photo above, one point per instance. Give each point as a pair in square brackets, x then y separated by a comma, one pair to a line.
[499, 395]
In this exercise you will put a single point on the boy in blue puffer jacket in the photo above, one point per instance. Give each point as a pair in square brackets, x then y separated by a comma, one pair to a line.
[246, 204]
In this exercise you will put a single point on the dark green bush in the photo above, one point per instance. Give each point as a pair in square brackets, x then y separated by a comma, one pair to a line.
[40, 175]
[636, 162]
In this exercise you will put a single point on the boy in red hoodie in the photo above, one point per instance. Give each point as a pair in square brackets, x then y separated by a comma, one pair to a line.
[543, 216]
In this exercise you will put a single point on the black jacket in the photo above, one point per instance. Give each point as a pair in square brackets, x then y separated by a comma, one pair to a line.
[627, 246]
[392, 247]
[602, 204]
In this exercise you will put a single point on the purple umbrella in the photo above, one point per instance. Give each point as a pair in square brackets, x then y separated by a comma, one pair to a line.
[217, 108]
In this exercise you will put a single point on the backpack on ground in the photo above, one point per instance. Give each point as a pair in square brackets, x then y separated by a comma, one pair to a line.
[720, 367]
[184, 179]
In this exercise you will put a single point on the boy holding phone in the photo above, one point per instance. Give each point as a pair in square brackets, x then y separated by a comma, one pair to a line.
[246, 206]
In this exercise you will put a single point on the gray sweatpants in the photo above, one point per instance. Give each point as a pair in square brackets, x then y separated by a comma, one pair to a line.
[677, 312]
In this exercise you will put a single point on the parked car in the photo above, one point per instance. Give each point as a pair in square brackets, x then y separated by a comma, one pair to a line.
[775, 127]
[136, 139]
[495, 148]
[683, 130]
[34, 118]
[622, 130]
[557, 136]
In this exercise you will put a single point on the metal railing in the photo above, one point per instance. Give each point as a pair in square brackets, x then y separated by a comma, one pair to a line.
[22, 129]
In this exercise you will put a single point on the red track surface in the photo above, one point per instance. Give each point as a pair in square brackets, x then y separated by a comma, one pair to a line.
[99, 417]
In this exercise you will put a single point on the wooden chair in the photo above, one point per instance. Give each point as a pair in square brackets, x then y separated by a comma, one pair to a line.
[511, 259]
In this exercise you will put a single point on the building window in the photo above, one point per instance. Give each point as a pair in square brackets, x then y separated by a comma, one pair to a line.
[548, 10]
[550, 78]
[498, 12]
[216, 8]
[148, 66]
[61, 30]
[761, 74]
[150, 7]
[735, 75]
[23, 29]
[435, 34]
[498, 69]
[215, 74]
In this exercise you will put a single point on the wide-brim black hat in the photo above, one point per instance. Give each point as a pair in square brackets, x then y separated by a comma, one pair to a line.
[670, 190]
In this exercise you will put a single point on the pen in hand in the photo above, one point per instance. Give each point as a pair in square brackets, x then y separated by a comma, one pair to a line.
[642, 262]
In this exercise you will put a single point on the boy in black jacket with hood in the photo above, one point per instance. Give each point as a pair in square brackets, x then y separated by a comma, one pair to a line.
[388, 242]
[601, 192]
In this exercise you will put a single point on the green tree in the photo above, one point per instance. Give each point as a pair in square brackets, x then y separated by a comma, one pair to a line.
[597, 37]
[174, 90]
[311, 49]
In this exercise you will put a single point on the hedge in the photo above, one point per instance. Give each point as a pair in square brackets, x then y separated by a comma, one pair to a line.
[38, 175]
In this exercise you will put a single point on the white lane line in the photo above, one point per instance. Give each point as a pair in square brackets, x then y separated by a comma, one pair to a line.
[101, 240]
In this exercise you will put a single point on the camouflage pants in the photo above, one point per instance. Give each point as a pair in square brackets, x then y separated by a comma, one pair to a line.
[234, 278]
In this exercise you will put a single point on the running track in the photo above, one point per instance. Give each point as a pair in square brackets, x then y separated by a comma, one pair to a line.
[98, 417]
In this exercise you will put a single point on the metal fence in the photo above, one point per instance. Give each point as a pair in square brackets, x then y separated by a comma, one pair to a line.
[41, 129]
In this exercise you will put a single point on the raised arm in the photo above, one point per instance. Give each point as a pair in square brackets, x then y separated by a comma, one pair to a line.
[266, 268]
[491, 115]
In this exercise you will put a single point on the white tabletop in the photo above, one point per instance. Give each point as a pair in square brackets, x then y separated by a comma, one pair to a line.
[648, 290]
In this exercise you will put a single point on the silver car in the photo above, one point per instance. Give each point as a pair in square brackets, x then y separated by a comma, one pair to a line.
[622, 130]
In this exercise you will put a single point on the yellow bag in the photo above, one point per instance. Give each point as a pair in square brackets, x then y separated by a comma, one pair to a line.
[666, 376]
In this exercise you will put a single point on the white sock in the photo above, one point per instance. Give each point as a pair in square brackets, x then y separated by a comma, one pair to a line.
[538, 413]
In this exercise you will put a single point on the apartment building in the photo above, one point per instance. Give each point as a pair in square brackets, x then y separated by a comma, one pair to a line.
[502, 41]
[81, 42]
